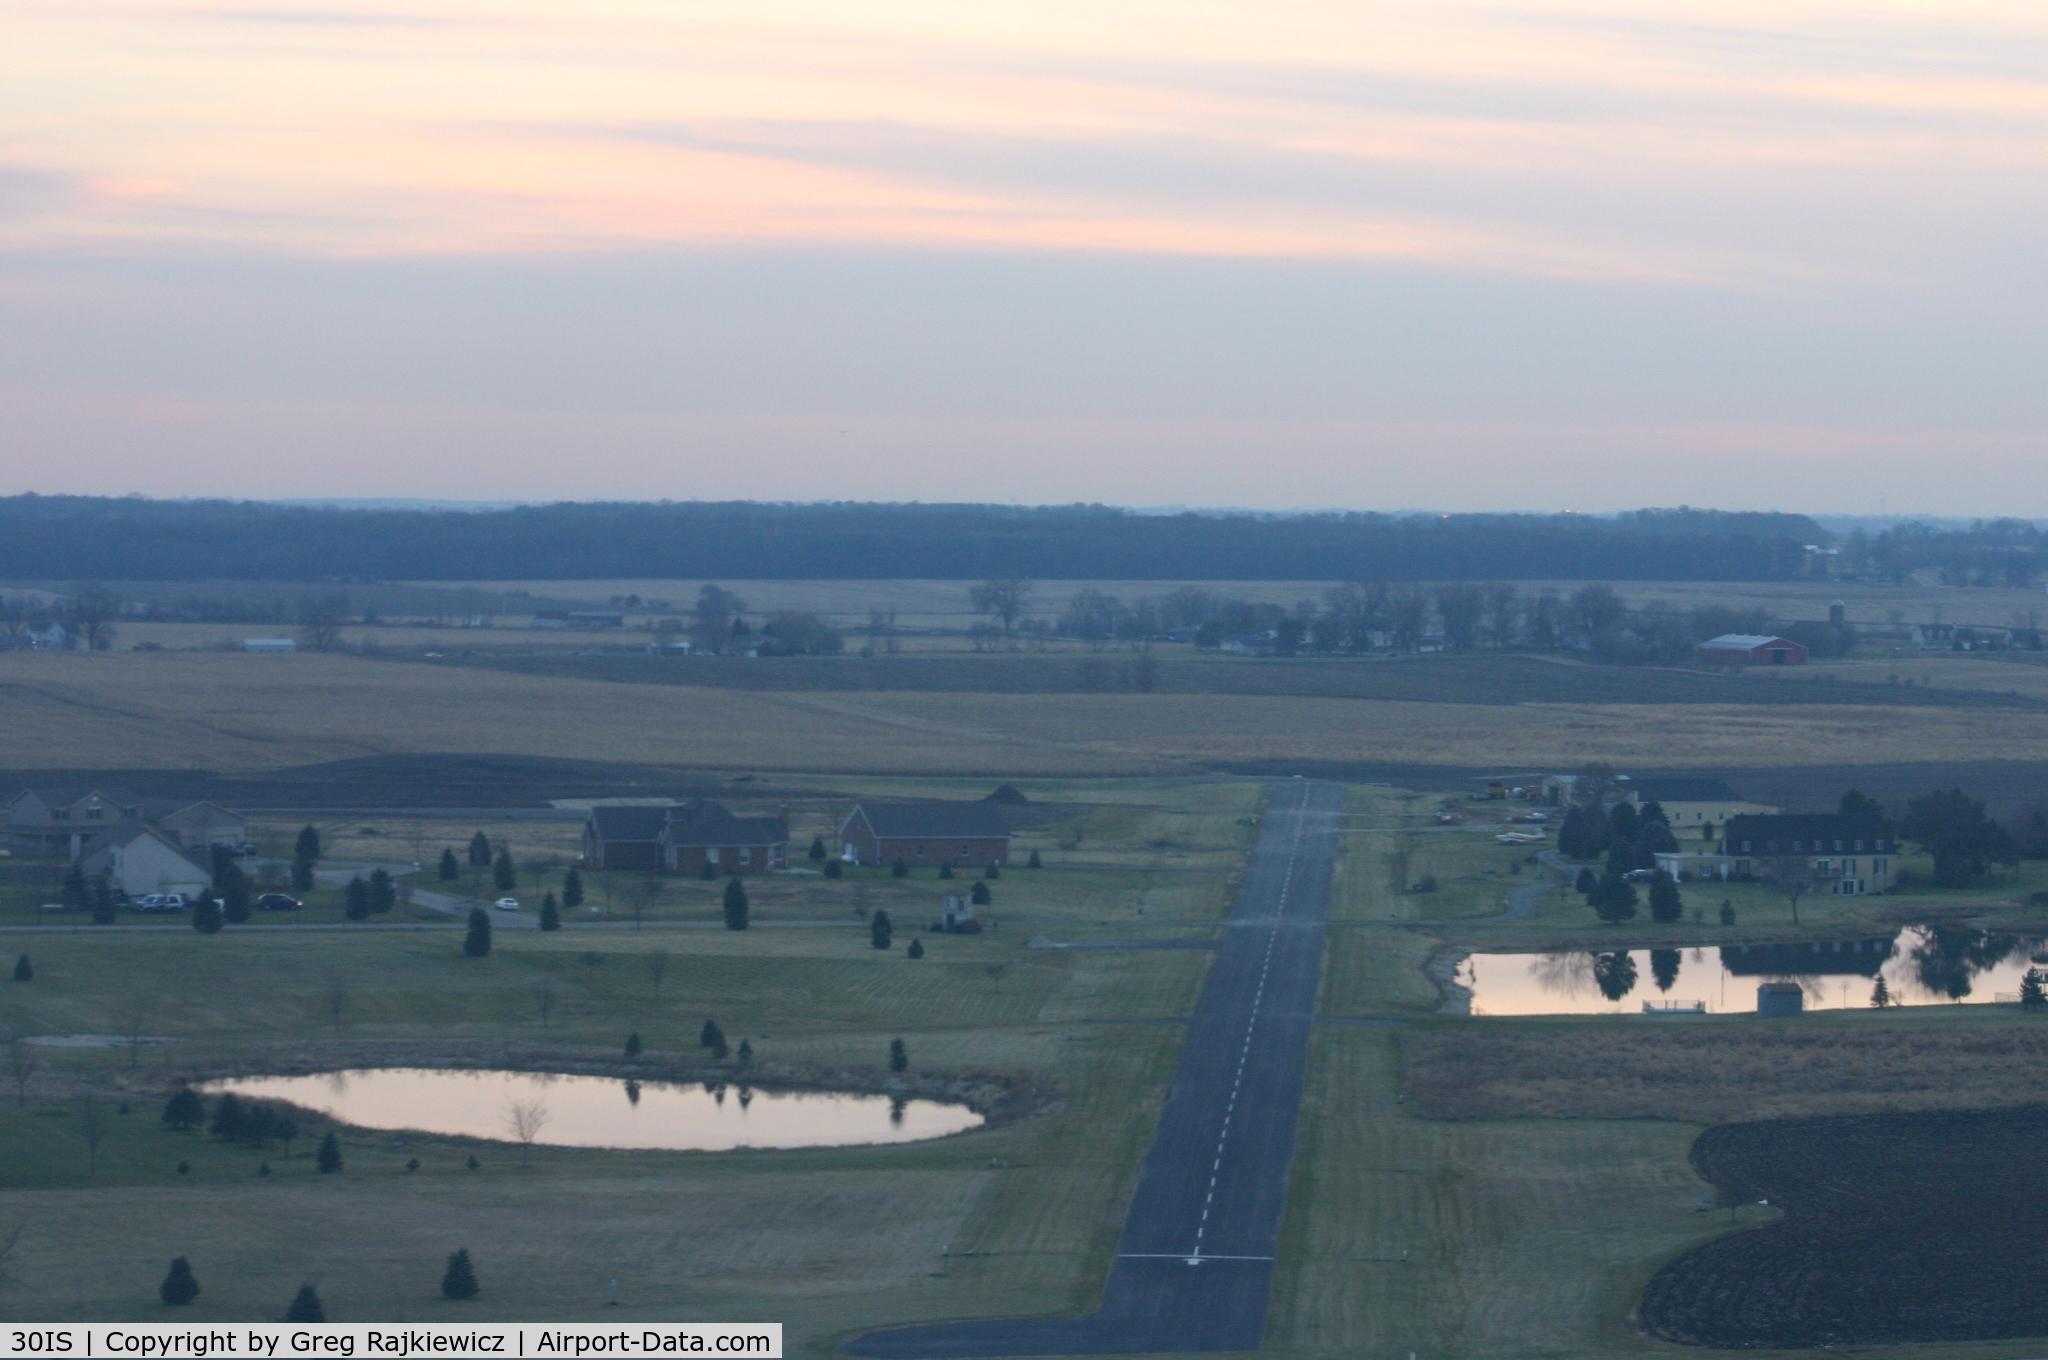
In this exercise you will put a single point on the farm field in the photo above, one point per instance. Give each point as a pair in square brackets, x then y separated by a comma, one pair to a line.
[243, 713]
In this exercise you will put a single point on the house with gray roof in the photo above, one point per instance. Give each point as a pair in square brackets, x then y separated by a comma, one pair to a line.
[933, 832]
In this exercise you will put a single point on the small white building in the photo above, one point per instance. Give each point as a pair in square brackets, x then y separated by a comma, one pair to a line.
[283, 644]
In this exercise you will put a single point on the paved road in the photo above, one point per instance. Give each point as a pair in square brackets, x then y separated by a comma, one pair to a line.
[1195, 1265]
[1523, 901]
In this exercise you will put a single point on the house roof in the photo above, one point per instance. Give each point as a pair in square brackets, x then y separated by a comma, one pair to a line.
[125, 833]
[1806, 827]
[64, 795]
[1683, 791]
[614, 823]
[699, 822]
[1743, 642]
[979, 820]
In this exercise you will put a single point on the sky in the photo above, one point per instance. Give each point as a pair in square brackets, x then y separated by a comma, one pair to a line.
[1529, 254]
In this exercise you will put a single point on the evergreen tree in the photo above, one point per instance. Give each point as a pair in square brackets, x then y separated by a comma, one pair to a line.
[227, 1118]
[477, 942]
[900, 869]
[23, 972]
[817, 851]
[504, 876]
[633, 1044]
[1034, 862]
[550, 914]
[735, 905]
[480, 851]
[104, 907]
[76, 893]
[718, 1049]
[302, 875]
[355, 899]
[451, 868]
[383, 892]
[458, 1281]
[879, 929]
[185, 1109]
[1727, 913]
[206, 918]
[572, 891]
[329, 1157]
[916, 950]
[945, 868]
[899, 1056]
[1623, 819]
[993, 871]
[980, 894]
[1586, 882]
[232, 886]
[833, 869]
[1880, 993]
[708, 872]
[473, 1164]
[307, 846]
[178, 1288]
[305, 1307]
[1856, 803]
[1614, 898]
[2033, 995]
[1665, 903]
[710, 1034]
[746, 1053]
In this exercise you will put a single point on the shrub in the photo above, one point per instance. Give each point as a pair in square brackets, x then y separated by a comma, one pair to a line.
[900, 869]
[979, 896]
[1727, 913]
[708, 872]
[879, 929]
[305, 1307]
[899, 1056]
[473, 1164]
[550, 913]
[206, 917]
[23, 972]
[833, 869]
[1034, 862]
[185, 1109]
[916, 950]
[945, 868]
[477, 942]
[633, 1044]
[736, 910]
[993, 870]
[329, 1159]
[817, 850]
[179, 1288]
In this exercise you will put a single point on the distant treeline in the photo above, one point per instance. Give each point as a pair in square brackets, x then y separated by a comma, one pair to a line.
[65, 538]
[1998, 552]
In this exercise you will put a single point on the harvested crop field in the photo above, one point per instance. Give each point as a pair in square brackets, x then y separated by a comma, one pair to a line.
[1720, 1071]
[1897, 1228]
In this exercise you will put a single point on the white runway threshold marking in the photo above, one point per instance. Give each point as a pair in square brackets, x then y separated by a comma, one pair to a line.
[1196, 1257]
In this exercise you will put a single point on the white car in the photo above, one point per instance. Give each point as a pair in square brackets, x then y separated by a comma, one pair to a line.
[160, 902]
[507, 904]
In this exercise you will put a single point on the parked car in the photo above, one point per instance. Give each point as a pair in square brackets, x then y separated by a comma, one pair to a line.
[161, 902]
[1642, 875]
[507, 904]
[278, 902]
[242, 849]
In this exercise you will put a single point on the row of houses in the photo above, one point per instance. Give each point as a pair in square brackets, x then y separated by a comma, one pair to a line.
[692, 836]
[141, 845]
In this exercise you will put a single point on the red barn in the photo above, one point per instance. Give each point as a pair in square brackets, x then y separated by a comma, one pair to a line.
[1752, 649]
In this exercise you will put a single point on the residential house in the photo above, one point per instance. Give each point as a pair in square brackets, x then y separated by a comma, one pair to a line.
[136, 858]
[1690, 804]
[60, 820]
[1849, 856]
[683, 838]
[974, 833]
[1752, 649]
[624, 836]
[700, 833]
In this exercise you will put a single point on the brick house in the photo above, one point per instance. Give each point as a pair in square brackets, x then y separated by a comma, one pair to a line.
[925, 833]
[683, 838]
[698, 833]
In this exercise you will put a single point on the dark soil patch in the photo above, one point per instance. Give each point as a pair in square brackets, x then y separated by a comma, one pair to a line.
[1487, 680]
[1897, 1228]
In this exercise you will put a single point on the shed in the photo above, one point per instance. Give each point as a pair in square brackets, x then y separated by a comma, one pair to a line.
[1780, 998]
[270, 645]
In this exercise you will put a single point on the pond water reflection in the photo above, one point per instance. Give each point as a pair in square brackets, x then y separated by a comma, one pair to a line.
[607, 1112]
[1921, 965]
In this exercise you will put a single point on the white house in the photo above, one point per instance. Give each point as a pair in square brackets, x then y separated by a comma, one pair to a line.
[138, 859]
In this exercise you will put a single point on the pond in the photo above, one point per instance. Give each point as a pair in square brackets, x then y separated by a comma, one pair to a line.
[1921, 965]
[606, 1112]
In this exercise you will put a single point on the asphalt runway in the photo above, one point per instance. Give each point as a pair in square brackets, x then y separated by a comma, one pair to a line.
[1194, 1269]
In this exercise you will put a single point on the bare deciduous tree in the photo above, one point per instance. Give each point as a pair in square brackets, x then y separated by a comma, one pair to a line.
[645, 894]
[21, 1068]
[133, 1012]
[526, 1118]
[336, 998]
[92, 1130]
[1793, 876]
[656, 962]
[1005, 599]
[544, 1002]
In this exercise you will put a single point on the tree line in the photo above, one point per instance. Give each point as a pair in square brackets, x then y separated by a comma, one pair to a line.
[131, 538]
